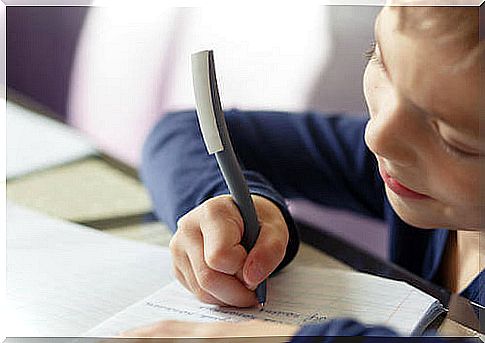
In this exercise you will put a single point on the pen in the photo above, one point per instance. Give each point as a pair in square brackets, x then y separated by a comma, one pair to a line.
[217, 141]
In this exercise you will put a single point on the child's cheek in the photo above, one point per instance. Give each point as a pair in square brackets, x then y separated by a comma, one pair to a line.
[455, 187]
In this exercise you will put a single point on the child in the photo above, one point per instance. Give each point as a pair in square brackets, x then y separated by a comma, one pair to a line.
[416, 164]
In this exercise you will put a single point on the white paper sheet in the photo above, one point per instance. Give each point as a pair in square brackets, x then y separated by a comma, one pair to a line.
[63, 279]
[302, 296]
[35, 142]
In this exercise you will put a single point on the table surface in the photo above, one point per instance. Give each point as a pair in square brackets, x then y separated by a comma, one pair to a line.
[97, 186]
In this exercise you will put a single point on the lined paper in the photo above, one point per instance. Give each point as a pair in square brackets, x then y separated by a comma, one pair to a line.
[300, 296]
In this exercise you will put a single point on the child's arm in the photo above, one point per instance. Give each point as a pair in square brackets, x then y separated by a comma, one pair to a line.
[323, 159]
[340, 327]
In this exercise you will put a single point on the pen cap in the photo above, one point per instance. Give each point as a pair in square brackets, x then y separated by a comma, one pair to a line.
[201, 69]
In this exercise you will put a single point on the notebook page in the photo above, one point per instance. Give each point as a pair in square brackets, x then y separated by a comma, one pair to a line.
[63, 278]
[300, 296]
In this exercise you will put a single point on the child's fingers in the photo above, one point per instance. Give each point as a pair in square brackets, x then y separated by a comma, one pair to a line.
[225, 288]
[222, 249]
[266, 255]
[192, 285]
[182, 267]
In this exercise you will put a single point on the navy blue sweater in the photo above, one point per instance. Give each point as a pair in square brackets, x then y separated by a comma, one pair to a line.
[318, 157]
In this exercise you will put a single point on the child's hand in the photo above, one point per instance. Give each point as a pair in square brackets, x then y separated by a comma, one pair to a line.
[209, 260]
[180, 329]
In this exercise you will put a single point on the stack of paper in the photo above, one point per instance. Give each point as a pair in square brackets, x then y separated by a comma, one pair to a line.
[35, 142]
[81, 191]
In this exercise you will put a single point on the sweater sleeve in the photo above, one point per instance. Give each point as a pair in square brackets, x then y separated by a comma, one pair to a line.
[336, 330]
[321, 158]
[326, 332]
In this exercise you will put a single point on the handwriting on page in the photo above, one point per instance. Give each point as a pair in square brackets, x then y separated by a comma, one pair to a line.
[235, 315]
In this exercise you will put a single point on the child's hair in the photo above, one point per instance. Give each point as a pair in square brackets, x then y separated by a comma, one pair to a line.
[445, 24]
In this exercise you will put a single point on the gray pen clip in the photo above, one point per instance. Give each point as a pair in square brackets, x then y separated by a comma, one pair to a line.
[217, 140]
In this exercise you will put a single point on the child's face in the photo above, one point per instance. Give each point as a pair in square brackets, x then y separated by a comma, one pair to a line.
[424, 128]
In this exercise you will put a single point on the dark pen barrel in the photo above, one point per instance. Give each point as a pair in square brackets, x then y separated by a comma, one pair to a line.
[261, 293]
[240, 193]
[239, 190]
[231, 170]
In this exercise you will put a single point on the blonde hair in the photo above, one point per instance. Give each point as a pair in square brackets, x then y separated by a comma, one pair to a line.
[446, 24]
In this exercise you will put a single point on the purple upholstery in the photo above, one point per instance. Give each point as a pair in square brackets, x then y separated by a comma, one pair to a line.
[369, 234]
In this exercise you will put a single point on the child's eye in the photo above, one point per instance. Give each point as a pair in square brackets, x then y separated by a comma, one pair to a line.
[458, 152]
[371, 56]
[452, 149]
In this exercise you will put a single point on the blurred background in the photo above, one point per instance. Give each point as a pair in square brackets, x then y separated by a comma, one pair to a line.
[112, 72]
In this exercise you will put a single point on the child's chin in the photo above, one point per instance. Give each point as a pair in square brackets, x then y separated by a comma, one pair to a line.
[419, 223]
[413, 214]
[433, 214]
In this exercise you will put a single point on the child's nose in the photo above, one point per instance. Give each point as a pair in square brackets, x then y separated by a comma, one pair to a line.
[391, 134]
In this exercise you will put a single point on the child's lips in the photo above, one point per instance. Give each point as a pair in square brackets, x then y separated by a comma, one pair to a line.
[399, 188]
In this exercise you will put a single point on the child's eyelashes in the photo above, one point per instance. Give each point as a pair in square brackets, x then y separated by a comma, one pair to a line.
[452, 149]
[457, 152]
[371, 56]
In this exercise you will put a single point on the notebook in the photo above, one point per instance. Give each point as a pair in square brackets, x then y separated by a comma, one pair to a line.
[298, 296]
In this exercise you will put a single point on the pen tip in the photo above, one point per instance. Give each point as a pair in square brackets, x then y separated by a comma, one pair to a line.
[261, 306]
